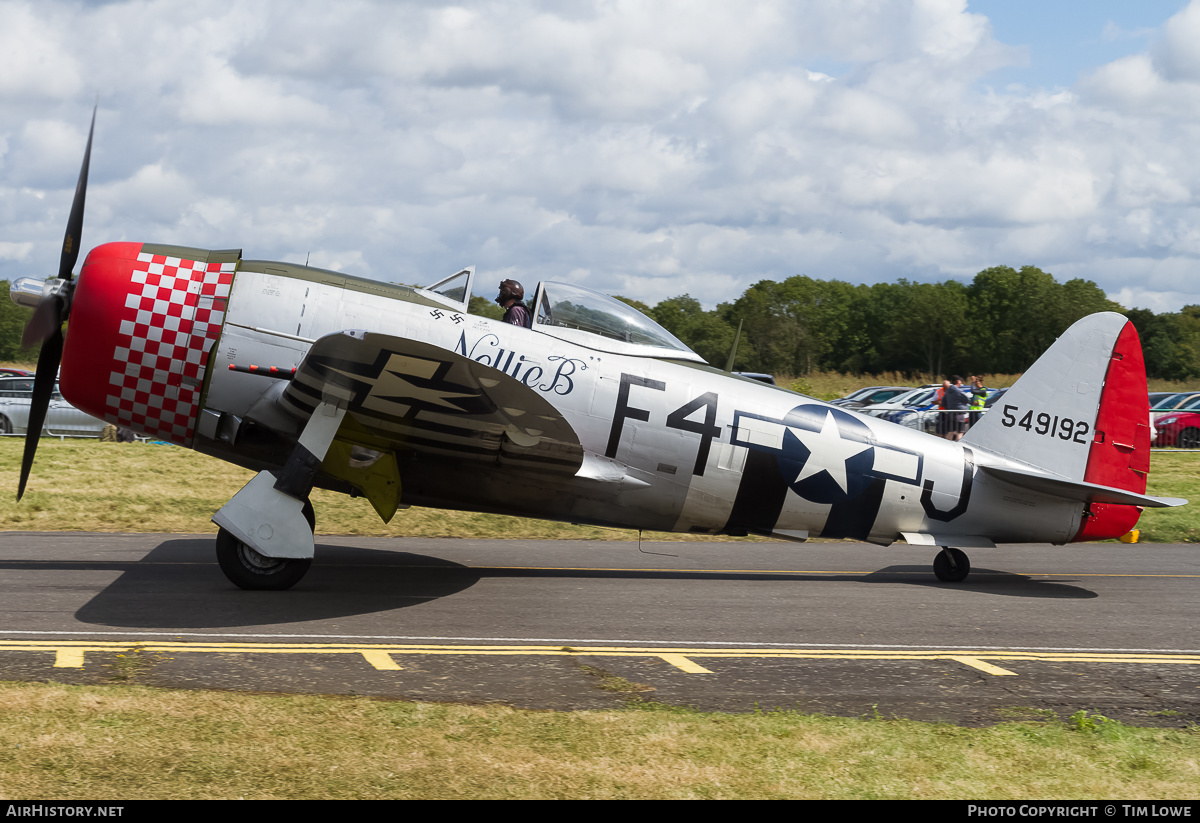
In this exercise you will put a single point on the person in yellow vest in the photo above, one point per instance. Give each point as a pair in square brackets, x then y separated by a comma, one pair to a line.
[978, 396]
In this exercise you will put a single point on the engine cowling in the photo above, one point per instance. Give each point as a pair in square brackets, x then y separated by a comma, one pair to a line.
[142, 324]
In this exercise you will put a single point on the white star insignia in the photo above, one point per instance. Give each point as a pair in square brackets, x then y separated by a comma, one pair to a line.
[828, 452]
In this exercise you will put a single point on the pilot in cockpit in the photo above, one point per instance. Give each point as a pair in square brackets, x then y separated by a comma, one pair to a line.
[510, 299]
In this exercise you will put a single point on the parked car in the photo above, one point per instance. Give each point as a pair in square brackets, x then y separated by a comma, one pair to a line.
[1191, 402]
[902, 402]
[1175, 402]
[1178, 428]
[6, 371]
[993, 397]
[62, 418]
[869, 396]
[1158, 397]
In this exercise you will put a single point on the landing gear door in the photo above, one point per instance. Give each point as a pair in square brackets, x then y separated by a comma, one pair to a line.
[454, 291]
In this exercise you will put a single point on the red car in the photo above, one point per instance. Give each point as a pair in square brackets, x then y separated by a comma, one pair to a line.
[7, 372]
[1180, 429]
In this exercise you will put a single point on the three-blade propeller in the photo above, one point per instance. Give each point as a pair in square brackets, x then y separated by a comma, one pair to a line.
[46, 324]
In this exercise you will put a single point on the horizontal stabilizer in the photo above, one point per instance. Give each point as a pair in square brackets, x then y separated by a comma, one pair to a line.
[1079, 490]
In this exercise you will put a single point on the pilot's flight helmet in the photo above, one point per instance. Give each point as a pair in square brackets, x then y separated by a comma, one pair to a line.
[514, 288]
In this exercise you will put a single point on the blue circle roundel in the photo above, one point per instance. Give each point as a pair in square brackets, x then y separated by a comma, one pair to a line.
[827, 454]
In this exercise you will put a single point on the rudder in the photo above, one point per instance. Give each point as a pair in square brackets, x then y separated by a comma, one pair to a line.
[1120, 452]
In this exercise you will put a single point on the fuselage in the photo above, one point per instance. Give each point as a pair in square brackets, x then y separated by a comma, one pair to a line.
[668, 444]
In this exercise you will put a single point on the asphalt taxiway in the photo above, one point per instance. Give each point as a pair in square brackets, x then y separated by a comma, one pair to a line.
[837, 628]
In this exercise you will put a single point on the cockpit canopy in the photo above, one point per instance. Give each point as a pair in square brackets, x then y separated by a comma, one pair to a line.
[598, 321]
[579, 315]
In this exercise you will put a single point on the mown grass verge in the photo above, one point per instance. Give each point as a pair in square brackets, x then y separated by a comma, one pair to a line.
[133, 742]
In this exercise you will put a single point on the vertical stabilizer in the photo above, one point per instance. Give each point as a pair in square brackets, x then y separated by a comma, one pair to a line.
[1080, 412]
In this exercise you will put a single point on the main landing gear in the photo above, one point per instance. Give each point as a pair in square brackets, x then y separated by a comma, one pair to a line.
[263, 542]
[951, 565]
[248, 569]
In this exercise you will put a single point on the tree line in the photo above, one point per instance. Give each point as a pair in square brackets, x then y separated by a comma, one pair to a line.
[999, 323]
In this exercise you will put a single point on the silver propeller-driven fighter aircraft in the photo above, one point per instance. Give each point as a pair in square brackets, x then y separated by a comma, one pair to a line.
[594, 414]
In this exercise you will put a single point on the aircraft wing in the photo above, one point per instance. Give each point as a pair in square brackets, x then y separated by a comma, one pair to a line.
[402, 394]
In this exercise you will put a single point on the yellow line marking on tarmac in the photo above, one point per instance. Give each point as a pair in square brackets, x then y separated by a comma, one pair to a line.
[68, 658]
[685, 663]
[71, 653]
[381, 660]
[975, 662]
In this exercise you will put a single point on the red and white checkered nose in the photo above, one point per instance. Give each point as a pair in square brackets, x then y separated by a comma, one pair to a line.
[140, 331]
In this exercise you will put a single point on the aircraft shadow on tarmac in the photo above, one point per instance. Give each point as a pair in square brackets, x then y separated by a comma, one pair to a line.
[985, 581]
[178, 585]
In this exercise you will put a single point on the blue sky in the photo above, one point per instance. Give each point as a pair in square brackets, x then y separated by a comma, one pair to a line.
[645, 149]
[1066, 39]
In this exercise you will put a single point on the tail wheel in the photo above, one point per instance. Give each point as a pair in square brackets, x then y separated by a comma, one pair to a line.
[249, 569]
[951, 565]
[1189, 439]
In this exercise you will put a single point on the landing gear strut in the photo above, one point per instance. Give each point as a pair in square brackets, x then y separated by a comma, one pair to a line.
[951, 565]
[263, 542]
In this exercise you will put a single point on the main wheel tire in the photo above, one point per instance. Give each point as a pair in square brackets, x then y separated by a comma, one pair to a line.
[6, 426]
[252, 570]
[1189, 439]
[951, 565]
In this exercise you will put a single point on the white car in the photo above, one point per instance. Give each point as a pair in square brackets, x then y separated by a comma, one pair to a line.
[870, 396]
[61, 417]
[902, 402]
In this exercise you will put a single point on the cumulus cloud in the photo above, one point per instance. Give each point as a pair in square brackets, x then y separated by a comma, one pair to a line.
[647, 149]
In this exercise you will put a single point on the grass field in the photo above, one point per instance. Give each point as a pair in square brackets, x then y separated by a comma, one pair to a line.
[87, 485]
[131, 742]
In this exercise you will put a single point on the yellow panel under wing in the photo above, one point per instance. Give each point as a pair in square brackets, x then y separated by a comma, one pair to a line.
[378, 479]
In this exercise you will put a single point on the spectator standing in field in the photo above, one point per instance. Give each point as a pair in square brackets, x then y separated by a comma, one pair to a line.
[952, 421]
[978, 398]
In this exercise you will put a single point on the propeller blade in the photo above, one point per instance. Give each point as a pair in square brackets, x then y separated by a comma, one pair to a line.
[70, 251]
[46, 318]
[46, 324]
[43, 387]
